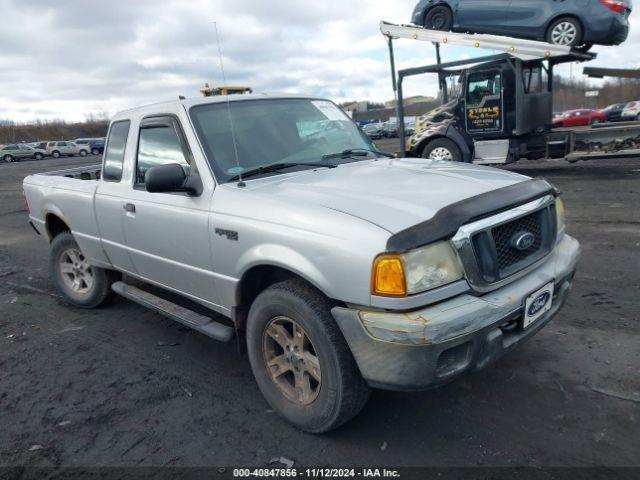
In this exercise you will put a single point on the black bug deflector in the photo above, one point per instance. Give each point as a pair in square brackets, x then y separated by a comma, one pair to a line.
[447, 221]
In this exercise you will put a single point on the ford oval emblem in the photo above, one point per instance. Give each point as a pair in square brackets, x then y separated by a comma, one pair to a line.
[523, 241]
[538, 304]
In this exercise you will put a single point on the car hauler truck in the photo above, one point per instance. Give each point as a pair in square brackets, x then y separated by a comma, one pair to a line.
[498, 108]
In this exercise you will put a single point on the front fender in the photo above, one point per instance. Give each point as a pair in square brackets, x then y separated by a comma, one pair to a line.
[418, 142]
[286, 258]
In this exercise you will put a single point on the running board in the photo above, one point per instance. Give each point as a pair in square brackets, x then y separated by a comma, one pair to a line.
[187, 317]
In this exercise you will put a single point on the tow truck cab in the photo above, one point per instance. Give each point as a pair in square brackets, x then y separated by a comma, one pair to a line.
[500, 110]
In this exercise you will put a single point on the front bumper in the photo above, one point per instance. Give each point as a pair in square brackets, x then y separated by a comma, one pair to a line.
[432, 346]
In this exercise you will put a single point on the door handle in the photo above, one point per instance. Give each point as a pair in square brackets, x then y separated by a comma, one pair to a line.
[129, 207]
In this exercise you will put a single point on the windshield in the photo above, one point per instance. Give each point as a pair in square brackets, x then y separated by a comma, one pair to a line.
[273, 131]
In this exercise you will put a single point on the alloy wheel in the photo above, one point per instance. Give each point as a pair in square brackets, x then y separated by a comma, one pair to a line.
[76, 271]
[291, 360]
[564, 33]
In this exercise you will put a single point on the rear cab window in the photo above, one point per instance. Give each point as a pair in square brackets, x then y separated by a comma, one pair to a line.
[114, 151]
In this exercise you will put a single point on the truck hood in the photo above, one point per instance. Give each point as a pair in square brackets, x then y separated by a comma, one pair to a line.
[393, 194]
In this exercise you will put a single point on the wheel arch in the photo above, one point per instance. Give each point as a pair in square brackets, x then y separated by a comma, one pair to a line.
[455, 138]
[55, 225]
[258, 278]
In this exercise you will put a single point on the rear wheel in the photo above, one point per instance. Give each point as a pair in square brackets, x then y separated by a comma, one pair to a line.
[95, 151]
[442, 149]
[55, 154]
[8, 159]
[83, 153]
[596, 121]
[80, 283]
[439, 18]
[38, 156]
[300, 359]
[566, 32]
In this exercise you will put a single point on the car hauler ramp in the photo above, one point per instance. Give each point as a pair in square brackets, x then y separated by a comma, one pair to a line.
[523, 49]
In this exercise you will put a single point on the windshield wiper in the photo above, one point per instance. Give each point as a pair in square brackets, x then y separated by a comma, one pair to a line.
[274, 167]
[356, 152]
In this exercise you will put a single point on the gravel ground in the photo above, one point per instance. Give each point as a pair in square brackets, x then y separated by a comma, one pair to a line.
[123, 386]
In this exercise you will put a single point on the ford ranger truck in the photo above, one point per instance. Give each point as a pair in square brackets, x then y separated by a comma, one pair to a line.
[339, 268]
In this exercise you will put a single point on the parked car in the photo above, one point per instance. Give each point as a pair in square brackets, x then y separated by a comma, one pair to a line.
[631, 112]
[568, 22]
[15, 152]
[614, 112]
[66, 148]
[374, 130]
[40, 145]
[579, 118]
[97, 146]
[390, 129]
[344, 268]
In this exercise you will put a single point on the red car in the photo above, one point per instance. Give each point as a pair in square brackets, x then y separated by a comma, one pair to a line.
[579, 118]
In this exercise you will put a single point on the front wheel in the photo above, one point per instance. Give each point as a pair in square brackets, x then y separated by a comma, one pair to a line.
[439, 18]
[55, 154]
[38, 156]
[300, 359]
[95, 151]
[442, 149]
[565, 32]
[8, 159]
[83, 153]
[80, 283]
[595, 121]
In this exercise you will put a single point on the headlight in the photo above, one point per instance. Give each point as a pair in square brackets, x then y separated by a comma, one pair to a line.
[560, 217]
[416, 271]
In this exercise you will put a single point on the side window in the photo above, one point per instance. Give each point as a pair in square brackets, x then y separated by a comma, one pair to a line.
[114, 153]
[160, 144]
[483, 86]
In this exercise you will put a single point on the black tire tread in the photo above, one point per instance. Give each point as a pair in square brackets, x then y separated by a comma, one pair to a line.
[354, 389]
[103, 278]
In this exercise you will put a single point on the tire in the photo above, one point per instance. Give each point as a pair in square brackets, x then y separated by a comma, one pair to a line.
[439, 18]
[337, 391]
[565, 31]
[596, 121]
[8, 159]
[90, 293]
[95, 151]
[55, 154]
[83, 153]
[38, 156]
[442, 149]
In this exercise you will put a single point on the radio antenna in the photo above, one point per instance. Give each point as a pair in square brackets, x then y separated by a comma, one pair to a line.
[233, 133]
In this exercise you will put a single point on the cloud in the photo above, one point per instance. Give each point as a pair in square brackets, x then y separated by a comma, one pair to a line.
[70, 58]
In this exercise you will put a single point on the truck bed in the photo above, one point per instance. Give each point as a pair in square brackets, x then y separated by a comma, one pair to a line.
[69, 195]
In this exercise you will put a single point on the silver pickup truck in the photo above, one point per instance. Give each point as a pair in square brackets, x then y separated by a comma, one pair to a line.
[339, 267]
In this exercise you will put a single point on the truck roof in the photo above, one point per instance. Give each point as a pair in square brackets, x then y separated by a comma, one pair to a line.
[190, 102]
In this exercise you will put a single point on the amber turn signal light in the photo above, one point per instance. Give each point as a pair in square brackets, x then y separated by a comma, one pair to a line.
[388, 279]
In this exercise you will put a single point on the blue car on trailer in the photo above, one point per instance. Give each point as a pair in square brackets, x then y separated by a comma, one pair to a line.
[574, 23]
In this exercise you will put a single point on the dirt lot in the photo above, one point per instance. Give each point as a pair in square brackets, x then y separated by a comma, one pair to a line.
[125, 386]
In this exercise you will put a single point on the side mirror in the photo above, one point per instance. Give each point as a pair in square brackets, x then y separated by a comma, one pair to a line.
[172, 178]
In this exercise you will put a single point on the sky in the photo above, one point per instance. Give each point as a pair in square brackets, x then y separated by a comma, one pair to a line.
[68, 59]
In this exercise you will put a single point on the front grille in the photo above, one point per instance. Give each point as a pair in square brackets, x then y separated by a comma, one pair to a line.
[498, 252]
[507, 255]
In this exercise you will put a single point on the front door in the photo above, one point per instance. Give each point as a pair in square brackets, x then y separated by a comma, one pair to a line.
[168, 233]
[483, 103]
[483, 16]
